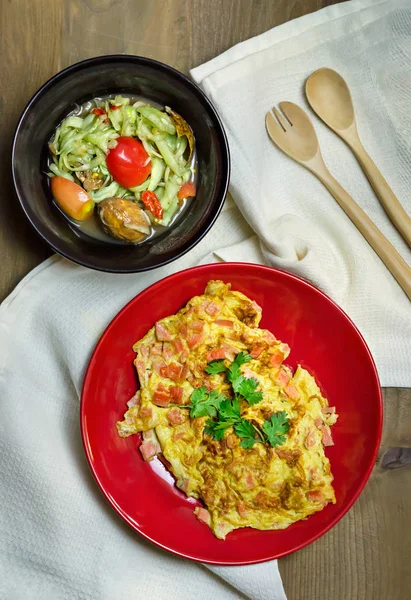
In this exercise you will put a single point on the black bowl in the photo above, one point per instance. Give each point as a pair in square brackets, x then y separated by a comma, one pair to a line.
[97, 77]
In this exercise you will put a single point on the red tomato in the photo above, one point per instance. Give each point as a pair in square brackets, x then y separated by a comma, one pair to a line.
[187, 189]
[152, 203]
[72, 198]
[128, 162]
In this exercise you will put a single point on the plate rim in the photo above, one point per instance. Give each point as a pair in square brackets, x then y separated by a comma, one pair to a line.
[121, 513]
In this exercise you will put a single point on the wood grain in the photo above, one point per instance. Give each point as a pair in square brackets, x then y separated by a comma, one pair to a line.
[367, 555]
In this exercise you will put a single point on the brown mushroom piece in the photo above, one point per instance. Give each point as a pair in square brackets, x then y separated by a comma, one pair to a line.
[124, 220]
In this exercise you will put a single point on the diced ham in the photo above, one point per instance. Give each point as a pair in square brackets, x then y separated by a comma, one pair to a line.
[162, 333]
[326, 436]
[161, 396]
[184, 372]
[172, 371]
[328, 410]
[311, 439]
[290, 456]
[157, 349]
[203, 515]
[135, 400]
[249, 480]
[285, 349]
[176, 393]
[196, 325]
[319, 423]
[257, 349]
[216, 354]
[141, 368]
[241, 509]
[276, 358]
[224, 323]
[184, 330]
[282, 378]
[292, 391]
[144, 351]
[148, 450]
[269, 337]
[178, 435]
[195, 339]
[212, 309]
[178, 346]
[174, 416]
[230, 441]
[168, 350]
[145, 412]
[316, 496]
[230, 351]
[158, 364]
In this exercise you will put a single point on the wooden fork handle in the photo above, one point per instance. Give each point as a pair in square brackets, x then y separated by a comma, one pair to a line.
[385, 250]
[388, 199]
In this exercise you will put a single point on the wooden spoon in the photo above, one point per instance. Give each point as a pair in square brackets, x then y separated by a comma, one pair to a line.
[294, 134]
[329, 97]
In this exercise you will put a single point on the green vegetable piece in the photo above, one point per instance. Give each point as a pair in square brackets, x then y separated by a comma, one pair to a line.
[247, 389]
[216, 366]
[245, 430]
[276, 428]
[204, 403]
[167, 155]
[157, 172]
[159, 119]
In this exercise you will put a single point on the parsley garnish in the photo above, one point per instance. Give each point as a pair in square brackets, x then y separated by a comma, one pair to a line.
[226, 412]
[204, 403]
[276, 428]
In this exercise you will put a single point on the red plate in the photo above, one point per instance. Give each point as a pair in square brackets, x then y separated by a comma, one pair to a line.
[322, 339]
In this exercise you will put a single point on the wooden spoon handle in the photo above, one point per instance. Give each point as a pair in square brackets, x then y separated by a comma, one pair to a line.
[385, 250]
[385, 194]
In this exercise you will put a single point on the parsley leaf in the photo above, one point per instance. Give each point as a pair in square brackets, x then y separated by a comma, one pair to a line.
[276, 428]
[215, 366]
[216, 429]
[245, 430]
[204, 403]
[247, 389]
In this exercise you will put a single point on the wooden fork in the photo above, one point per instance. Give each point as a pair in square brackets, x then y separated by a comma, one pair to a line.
[294, 134]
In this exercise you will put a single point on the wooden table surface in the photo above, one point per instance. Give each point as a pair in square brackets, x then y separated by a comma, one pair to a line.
[368, 554]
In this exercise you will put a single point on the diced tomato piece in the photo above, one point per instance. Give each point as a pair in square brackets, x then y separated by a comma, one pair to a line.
[187, 190]
[174, 416]
[197, 325]
[292, 392]
[257, 349]
[176, 393]
[224, 323]
[203, 515]
[157, 349]
[171, 371]
[216, 354]
[328, 410]
[316, 496]
[195, 339]
[326, 436]
[212, 309]
[162, 333]
[276, 358]
[282, 378]
[148, 450]
[311, 439]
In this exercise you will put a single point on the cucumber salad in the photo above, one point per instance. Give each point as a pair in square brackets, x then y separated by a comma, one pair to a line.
[129, 164]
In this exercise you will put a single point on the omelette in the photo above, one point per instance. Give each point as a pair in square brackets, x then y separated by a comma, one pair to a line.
[237, 428]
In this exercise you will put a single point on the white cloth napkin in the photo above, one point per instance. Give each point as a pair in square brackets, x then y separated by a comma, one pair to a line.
[299, 225]
[58, 537]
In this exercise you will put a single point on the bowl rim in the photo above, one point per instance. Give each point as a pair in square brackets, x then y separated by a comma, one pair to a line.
[139, 60]
[89, 456]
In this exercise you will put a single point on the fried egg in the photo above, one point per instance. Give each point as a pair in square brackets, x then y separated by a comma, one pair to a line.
[263, 487]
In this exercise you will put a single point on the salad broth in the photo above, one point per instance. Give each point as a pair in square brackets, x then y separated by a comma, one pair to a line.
[92, 228]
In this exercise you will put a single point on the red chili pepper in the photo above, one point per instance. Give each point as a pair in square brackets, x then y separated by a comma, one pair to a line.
[99, 111]
[115, 107]
[152, 203]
